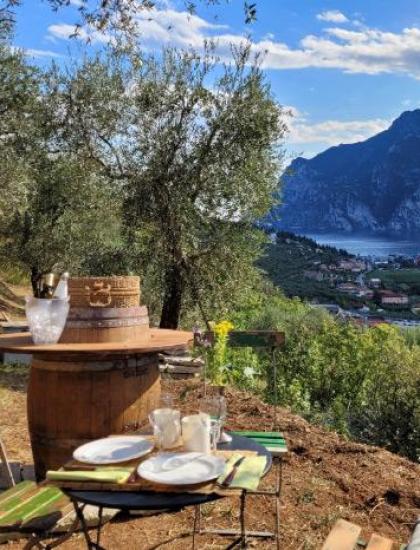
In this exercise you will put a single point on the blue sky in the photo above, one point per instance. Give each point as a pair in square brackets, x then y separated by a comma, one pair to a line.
[345, 68]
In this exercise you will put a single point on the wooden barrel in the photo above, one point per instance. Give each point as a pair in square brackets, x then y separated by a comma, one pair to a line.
[73, 400]
[92, 325]
[105, 309]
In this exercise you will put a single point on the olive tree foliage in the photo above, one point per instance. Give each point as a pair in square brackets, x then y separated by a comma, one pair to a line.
[107, 15]
[54, 209]
[70, 214]
[192, 146]
[19, 88]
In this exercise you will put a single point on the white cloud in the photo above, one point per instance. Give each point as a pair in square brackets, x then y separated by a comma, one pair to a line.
[166, 26]
[333, 16]
[30, 52]
[180, 28]
[364, 50]
[41, 53]
[64, 31]
[334, 132]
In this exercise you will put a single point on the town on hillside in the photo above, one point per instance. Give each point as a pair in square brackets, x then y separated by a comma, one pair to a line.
[368, 290]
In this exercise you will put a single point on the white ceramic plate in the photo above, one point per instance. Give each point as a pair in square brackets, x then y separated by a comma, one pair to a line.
[112, 450]
[181, 468]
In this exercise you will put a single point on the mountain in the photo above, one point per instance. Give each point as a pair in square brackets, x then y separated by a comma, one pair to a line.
[370, 187]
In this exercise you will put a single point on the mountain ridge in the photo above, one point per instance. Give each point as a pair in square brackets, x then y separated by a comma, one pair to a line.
[369, 187]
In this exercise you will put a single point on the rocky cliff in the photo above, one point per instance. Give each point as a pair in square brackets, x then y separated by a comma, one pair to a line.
[371, 187]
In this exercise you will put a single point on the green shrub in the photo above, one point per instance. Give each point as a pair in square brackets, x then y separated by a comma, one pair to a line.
[362, 382]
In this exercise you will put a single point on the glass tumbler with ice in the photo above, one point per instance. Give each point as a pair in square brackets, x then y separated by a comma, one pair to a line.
[46, 318]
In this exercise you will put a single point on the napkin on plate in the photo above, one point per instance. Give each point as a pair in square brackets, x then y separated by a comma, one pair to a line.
[248, 473]
[101, 475]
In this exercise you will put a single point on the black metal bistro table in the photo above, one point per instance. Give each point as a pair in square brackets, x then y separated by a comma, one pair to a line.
[145, 500]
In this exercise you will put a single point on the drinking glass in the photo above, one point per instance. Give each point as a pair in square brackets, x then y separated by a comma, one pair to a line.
[46, 319]
[214, 434]
[166, 401]
[215, 407]
[166, 425]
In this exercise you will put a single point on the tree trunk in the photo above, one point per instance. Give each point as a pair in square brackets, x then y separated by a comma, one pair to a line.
[172, 301]
[35, 278]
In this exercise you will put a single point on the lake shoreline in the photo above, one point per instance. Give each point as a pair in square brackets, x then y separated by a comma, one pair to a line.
[368, 245]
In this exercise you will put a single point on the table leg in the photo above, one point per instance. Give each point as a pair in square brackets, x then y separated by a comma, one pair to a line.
[243, 528]
[91, 545]
[196, 526]
[278, 496]
[241, 540]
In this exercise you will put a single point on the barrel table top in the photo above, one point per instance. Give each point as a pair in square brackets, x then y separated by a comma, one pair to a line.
[160, 340]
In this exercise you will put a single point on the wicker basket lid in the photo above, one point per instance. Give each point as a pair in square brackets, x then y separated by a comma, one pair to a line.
[100, 292]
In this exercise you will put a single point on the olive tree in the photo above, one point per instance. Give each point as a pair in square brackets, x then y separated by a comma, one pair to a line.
[55, 211]
[19, 89]
[107, 15]
[192, 144]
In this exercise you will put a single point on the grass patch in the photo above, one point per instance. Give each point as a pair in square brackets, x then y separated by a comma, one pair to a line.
[14, 274]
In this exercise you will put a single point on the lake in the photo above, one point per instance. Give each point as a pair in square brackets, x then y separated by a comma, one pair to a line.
[379, 247]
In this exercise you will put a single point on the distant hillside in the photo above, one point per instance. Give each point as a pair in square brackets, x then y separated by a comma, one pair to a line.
[371, 187]
[291, 261]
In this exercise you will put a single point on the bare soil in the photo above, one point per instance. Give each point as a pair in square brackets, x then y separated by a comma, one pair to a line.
[325, 478]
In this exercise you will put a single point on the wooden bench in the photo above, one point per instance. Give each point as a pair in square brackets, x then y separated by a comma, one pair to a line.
[345, 536]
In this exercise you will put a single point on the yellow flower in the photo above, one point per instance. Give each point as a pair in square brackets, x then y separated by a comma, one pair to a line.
[223, 328]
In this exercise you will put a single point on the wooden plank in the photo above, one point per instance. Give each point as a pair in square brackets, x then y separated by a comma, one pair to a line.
[181, 361]
[51, 518]
[343, 536]
[47, 515]
[272, 442]
[4, 316]
[277, 451]
[12, 498]
[5, 464]
[255, 435]
[43, 497]
[246, 339]
[256, 339]
[178, 369]
[379, 543]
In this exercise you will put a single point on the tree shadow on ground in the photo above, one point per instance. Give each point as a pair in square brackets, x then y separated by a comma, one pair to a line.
[14, 377]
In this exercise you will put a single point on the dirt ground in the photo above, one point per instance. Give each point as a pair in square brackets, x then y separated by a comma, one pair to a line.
[325, 478]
